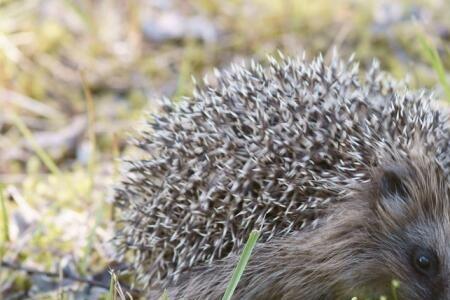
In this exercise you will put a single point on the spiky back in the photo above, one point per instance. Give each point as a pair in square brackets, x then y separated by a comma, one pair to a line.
[266, 148]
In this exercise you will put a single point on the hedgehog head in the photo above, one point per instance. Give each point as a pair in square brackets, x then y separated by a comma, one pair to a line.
[409, 230]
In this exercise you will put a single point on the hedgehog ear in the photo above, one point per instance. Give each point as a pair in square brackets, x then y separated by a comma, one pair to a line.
[392, 181]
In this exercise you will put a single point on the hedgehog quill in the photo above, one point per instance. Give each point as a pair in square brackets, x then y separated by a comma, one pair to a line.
[345, 174]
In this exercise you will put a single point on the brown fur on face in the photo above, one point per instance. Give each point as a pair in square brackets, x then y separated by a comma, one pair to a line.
[369, 239]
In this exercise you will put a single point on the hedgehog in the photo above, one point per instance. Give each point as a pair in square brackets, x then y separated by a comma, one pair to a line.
[343, 172]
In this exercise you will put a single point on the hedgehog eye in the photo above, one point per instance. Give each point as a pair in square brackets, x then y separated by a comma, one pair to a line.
[424, 262]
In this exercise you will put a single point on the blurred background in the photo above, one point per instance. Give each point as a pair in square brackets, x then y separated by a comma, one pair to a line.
[77, 78]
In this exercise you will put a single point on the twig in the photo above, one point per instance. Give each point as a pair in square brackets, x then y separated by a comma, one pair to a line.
[29, 104]
[31, 271]
[52, 274]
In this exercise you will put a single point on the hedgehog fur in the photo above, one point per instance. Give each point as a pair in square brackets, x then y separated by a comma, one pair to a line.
[264, 147]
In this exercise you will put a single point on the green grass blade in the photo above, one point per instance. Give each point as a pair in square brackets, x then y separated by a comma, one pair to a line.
[43, 156]
[112, 292]
[434, 59]
[394, 286]
[4, 214]
[4, 238]
[90, 109]
[243, 260]
[164, 296]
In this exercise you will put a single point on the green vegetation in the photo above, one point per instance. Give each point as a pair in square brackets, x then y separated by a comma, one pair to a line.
[77, 76]
[5, 218]
[432, 55]
[28, 136]
[240, 267]
[395, 284]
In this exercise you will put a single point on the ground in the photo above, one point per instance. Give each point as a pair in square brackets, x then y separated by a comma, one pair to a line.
[79, 77]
